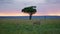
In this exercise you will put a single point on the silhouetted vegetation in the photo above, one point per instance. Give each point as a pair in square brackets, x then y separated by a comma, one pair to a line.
[30, 10]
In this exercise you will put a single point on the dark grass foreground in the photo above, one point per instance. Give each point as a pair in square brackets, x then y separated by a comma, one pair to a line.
[19, 26]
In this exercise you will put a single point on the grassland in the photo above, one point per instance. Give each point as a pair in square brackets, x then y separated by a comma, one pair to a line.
[20, 26]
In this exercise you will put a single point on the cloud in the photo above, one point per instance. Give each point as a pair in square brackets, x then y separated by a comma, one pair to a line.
[53, 1]
[5, 1]
[43, 6]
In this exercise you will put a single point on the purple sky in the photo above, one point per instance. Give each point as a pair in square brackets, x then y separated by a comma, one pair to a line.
[44, 7]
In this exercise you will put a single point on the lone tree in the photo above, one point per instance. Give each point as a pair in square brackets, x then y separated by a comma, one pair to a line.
[30, 10]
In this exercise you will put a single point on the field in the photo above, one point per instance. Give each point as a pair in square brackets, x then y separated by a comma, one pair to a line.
[21, 26]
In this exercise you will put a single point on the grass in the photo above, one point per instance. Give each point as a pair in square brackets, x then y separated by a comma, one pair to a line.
[20, 26]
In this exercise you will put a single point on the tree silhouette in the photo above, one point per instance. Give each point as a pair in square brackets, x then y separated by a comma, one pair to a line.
[30, 10]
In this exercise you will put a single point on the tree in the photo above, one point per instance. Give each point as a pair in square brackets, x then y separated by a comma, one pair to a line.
[30, 10]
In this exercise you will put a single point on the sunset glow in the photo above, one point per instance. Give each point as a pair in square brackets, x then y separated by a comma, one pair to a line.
[44, 7]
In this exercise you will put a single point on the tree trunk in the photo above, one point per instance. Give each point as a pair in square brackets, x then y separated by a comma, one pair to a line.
[30, 17]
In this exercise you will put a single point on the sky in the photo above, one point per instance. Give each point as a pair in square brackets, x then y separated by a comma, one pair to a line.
[44, 7]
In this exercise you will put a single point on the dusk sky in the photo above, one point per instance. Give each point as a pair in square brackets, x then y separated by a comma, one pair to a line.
[44, 7]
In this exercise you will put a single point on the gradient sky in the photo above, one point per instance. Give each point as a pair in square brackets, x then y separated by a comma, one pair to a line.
[44, 7]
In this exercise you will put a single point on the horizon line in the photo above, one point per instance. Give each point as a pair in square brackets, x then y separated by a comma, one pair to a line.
[42, 15]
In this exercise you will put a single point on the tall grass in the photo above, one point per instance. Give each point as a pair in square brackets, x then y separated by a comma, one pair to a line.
[20, 26]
